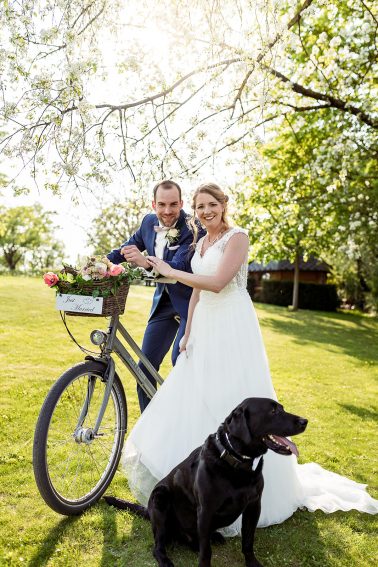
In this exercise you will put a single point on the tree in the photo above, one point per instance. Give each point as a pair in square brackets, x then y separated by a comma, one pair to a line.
[48, 256]
[115, 224]
[23, 231]
[310, 198]
[232, 68]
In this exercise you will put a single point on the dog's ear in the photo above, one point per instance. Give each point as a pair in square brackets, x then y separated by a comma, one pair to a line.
[238, 425]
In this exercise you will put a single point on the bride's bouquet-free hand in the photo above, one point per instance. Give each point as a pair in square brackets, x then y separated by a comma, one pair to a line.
[98, 278]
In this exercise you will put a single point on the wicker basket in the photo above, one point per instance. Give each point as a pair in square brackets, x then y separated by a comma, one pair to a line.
[112, 305]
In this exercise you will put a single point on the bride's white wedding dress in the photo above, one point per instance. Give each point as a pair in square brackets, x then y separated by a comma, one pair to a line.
[224, 363]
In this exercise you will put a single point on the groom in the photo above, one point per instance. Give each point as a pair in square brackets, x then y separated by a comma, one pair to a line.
[166, 235]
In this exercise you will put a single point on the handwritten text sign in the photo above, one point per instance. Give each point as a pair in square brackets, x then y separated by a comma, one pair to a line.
[79, 303]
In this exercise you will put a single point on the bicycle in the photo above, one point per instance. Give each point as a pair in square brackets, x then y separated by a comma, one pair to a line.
[81, 427]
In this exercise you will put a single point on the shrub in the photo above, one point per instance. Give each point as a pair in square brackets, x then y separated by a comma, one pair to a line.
[318, 297]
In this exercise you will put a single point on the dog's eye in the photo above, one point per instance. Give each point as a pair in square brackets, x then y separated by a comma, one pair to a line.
[274, 410]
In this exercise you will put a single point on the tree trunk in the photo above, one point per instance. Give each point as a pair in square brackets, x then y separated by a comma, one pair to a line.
[12, 259]
[296, 283]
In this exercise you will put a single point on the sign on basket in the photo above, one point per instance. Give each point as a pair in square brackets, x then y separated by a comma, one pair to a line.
[79, 303]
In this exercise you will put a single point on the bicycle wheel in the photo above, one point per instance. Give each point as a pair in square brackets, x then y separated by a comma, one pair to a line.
[71, 469]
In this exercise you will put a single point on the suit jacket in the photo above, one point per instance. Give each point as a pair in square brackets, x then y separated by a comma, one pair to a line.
[178, 255]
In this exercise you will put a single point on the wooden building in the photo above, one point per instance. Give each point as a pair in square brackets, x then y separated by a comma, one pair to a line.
[311, 271]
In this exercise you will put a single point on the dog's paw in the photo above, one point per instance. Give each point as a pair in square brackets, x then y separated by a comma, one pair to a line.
[217, 537]
[253, 563]
[163, 561]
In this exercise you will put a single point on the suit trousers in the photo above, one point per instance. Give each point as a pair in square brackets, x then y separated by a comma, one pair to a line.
[164, 327]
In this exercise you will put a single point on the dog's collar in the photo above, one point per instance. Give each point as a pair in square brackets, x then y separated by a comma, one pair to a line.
[234, 458]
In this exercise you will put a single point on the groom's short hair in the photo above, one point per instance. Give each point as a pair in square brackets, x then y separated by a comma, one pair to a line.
[166, 184]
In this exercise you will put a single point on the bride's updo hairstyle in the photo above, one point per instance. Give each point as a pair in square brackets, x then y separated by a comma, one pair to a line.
[215, 191]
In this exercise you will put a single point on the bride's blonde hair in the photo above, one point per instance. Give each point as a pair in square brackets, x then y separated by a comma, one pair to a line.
[215, 191]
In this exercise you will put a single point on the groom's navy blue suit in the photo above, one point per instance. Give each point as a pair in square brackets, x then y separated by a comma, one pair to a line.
[169, 310]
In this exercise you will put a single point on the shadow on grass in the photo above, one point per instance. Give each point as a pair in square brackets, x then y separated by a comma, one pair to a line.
[122, 545]
[364, 413]
[356, 335]
[49, 544]
[298, 542]
[111, 542]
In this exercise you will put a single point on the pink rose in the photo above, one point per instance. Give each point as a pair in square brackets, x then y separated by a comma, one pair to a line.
[116, 269]
[50, 279]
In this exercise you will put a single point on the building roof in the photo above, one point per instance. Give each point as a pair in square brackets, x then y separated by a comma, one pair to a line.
[311, 265]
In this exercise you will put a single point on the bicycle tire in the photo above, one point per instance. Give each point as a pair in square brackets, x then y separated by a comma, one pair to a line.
[54, 440]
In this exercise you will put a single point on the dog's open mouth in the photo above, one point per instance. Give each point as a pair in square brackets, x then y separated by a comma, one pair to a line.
[280, 445]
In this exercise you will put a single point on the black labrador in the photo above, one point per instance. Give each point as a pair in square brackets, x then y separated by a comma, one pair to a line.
[219, 481]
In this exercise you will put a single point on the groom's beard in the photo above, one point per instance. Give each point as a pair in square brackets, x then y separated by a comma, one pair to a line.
[168, 220]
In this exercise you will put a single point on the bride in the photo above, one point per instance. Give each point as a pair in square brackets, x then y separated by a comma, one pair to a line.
[222, 362]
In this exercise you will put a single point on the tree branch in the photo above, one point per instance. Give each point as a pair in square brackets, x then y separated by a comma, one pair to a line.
[334, 102]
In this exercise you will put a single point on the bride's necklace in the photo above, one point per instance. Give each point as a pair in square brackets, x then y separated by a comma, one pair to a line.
[211, 242]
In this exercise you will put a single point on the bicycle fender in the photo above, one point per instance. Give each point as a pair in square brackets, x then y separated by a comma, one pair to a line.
[97, 359]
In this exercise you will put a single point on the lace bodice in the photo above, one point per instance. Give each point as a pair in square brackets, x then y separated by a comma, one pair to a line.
[208, 263]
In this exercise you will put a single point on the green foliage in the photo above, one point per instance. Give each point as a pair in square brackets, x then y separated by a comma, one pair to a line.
[311, 194]
[115, 224]
[316, 192]
[3, 179]
[27, 230]
[46, 256]
[355, 272]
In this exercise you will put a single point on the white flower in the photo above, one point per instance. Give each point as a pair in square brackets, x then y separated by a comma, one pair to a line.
[335, 41]
[323, 37]
[100, 267]
[172, 234]
[87, 277]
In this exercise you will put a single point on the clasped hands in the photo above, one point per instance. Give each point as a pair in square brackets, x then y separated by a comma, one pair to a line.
[160, 266]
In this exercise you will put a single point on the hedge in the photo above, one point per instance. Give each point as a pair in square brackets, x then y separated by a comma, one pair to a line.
[318, 297]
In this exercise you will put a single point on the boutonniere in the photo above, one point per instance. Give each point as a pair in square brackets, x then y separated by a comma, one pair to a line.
[172, 235]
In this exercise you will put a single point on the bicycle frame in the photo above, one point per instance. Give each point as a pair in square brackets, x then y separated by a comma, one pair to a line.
[113, 344]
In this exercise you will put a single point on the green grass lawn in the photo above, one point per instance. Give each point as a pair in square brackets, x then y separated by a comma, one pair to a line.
[324, 367]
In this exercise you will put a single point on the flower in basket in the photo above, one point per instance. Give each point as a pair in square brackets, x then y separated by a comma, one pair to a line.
[50, 279]
[116, 270]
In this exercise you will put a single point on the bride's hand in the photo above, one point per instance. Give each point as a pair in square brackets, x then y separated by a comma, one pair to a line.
[159, 265]
[183, 343]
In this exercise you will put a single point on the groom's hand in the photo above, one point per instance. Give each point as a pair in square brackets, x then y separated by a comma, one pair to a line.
[133, 255]
[159, 266]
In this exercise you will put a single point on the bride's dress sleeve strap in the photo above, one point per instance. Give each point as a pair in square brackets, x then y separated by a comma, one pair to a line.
[231, 232]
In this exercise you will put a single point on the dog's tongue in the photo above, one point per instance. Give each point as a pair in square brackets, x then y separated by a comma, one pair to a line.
[285, 441]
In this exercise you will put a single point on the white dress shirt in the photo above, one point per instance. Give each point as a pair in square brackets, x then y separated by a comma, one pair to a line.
[161, 242]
